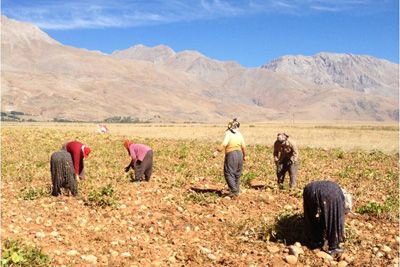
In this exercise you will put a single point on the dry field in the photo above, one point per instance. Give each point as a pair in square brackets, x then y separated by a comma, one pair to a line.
[182, 217]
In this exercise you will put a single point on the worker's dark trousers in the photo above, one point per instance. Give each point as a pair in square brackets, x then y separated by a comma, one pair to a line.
[144, 167]
[286, 166]
[233, 167]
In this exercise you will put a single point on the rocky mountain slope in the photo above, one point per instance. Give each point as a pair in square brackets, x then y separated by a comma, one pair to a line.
[48, 80]
[339, 86]
[361, 73]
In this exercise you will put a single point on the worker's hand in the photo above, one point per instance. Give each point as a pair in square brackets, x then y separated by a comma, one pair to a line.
[215, 154]
[127, 168]
[77, 177]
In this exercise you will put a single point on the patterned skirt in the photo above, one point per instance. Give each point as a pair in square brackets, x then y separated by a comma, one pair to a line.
[62, 173]
[324, 212]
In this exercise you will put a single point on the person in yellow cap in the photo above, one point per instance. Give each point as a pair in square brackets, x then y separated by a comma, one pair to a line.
[235, 152]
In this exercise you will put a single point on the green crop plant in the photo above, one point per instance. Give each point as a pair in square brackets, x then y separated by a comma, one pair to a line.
[16, 253]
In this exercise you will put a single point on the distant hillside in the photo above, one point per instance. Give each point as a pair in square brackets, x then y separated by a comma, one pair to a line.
[188, 61]
[158, 54]
[361, 73]
[366, 86]
[53, 81]
[46, 80]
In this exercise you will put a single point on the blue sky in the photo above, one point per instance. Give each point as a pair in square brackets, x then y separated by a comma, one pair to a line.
[251, 32]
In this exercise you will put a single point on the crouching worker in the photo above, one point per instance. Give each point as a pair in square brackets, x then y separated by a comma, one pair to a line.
[235, 152]
[78, 152]
[285, 157]
[325, 205]
[62, 173]
[141, 160]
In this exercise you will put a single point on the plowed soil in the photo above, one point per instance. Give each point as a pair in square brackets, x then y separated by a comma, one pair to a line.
[183, 217]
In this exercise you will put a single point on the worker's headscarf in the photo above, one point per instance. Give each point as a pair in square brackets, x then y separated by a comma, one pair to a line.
[282, 137]
[233, 125]
[86, 151]
[127, 143]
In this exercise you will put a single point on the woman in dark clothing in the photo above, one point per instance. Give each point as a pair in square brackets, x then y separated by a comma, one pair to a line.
[324, 211]
[62, 173]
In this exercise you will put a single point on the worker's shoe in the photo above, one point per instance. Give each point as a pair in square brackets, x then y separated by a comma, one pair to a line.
[335, 252]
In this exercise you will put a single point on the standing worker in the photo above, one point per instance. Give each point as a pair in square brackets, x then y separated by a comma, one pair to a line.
[325, 205]
[141, 160]
[78, 152]
[235, 152]
[286, 157]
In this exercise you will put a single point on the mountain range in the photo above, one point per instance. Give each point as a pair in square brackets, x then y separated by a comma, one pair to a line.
[47, 80]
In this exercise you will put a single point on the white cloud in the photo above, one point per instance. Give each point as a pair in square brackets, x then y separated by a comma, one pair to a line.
[74, 14]
[325, 8]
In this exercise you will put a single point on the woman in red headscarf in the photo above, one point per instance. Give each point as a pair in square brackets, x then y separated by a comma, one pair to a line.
[78, 152]
[141, 160]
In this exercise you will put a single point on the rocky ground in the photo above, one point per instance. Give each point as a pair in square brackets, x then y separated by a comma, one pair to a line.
[182, 217]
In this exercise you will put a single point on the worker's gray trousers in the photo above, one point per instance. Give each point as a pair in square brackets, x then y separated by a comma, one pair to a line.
[233, 167]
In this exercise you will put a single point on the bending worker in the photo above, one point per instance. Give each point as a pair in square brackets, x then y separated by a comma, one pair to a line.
[325, 205]
[78, 152]
[141, 160]
[286, 157]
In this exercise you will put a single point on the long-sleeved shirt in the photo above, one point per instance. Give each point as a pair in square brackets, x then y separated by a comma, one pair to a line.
[233, 141]
[285, 151]
[75, 149]
[138, 152]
